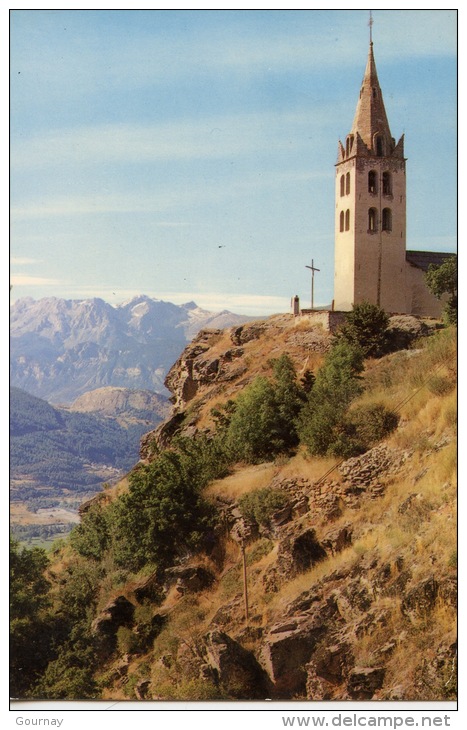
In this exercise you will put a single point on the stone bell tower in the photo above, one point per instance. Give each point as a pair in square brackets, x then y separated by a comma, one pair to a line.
[370, 215]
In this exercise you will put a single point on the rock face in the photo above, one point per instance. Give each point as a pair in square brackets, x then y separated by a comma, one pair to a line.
[287, 650]
[236, 669]
[189, 579]
[219, 362]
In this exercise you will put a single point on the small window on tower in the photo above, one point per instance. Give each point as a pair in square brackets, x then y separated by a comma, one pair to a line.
[372, 220]
[387, 183]
[372, 182]
[347, 220]
[341, 225]
[349, 145]
[347, 183]
[379, 146]
[342, 185]
[375, 93]
[387, 219]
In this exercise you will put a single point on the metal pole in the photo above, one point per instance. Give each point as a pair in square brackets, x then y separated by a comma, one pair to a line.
[245, 587]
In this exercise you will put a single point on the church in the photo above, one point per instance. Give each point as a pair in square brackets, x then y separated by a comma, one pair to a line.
[372, 262]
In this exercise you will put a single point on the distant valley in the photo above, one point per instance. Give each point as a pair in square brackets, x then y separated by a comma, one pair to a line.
[87, 382]
[62, 456]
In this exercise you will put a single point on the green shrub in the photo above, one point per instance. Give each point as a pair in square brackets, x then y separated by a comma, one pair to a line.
[366, 326]
[127, 641]
[442, 280]
[259, 550]
[90, 538]
[164, 514]
[372, 423]
[263, 422]
[322, 420]
[260, 504]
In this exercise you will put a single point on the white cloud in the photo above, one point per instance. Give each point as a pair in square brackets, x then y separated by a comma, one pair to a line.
[26, 280]
[23, 261]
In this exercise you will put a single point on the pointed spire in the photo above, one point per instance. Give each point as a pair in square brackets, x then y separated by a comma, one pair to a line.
[370, 120]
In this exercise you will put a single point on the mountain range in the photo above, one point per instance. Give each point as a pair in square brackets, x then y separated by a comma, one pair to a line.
[62, 348]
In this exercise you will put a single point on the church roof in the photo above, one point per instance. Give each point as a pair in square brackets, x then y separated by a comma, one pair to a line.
[370, 117]
[423, 259]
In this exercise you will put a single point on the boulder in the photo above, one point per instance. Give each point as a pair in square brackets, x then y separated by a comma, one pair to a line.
[364, 682]
[149, 590]
[338, 539]
[421, 599]
[327, 670]
[298, 553]
[189, 579]
[235, 669]
[287, 650]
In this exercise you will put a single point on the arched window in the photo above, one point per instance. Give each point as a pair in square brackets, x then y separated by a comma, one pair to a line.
[379, 146]
[387, 183]
[341, 224]
[349, 144]
[387, 219]
[372, 220]
[342, 185]
[347, 220]
[372, 182]
[347, 183]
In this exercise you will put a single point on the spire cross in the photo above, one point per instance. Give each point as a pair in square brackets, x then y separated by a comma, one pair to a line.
[312, 267]
[370, 23]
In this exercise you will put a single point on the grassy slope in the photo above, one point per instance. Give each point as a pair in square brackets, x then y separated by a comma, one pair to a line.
[423, 381]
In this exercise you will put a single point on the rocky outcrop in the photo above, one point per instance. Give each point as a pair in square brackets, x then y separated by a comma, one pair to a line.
[235, 669]
[363, 473]
[364, 682]
[189, 579]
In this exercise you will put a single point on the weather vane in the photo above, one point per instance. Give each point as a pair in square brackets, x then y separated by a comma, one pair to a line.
[370, 23]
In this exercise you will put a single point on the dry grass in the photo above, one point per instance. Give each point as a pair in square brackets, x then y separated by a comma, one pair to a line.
[243, 480]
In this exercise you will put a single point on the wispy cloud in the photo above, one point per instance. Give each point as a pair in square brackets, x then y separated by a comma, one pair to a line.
[26, 280]
[23, 261]
[160, 200]
[208, 138]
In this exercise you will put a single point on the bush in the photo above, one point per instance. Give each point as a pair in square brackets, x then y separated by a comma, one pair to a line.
[372, 423]
[366, 326]
[90, 538]
[264, 420]
[127, 641]
[164, 514]
[322, 420]
[260, 504]
[442, 280]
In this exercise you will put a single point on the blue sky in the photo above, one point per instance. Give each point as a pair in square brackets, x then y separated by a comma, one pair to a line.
[189, 155]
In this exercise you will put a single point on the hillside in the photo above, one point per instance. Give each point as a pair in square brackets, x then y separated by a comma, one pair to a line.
[61, 348]
[58, 456]
[350, 560]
